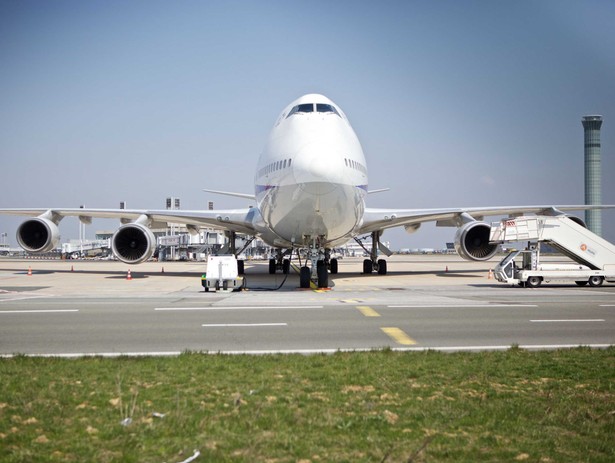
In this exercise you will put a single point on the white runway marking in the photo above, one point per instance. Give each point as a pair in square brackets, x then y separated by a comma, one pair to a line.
[457, 306]
[180, 309]
[314, 351]
[40, 311]
[578, 320]
[226, 325]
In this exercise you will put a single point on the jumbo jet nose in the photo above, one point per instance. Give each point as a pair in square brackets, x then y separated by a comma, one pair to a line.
[317, 168]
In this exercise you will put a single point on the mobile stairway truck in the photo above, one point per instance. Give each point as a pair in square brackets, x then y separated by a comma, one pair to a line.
[594, 256]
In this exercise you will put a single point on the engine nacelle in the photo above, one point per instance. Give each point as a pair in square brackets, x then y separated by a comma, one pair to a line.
[133, 243]
[38, 235]
[472, 241]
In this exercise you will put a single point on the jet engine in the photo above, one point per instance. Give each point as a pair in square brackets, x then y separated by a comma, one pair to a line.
[472, 241]
[133, 243]
[38, 235]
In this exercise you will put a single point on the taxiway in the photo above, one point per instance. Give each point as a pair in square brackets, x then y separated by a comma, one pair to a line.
[426, 302]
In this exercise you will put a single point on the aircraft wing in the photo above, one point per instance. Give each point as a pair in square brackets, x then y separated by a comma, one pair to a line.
[380, 219]
[237, 220]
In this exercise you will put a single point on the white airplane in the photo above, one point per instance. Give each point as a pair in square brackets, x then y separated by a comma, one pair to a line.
[310, 187]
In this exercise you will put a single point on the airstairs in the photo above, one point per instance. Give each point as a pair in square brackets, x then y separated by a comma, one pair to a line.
[571, 239]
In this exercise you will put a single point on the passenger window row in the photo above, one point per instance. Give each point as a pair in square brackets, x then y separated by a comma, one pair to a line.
[355, 165]
[273, 166]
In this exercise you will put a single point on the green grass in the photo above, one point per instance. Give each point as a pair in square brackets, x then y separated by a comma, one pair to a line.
[349, 407]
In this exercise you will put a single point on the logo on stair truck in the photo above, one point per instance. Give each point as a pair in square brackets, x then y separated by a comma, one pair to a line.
[585, 248]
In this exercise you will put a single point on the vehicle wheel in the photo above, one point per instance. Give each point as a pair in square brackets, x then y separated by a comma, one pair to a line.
[323, 276]
[271, 266]
[333, 266]
[595, 280]
[240, 267]
[382, 267]
[225, 285]
[581, 283]
[286, 266]
[304, 277]
[368, 266]
[533, 282]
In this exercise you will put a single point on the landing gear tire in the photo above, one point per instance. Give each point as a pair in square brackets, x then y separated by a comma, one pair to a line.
[595, 281]
[382, 267]
[271, 266]
[286, 266]
[304, 277]
[240, 267]
[323, 275]
[533, 282]
[333, 266]
[368, 266]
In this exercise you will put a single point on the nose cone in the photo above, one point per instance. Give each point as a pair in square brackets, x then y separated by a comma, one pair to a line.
[319, 163]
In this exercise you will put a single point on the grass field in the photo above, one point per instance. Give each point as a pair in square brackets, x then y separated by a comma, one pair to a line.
[380, 406]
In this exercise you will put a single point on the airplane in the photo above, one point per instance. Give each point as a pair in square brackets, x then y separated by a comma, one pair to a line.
[310, 190]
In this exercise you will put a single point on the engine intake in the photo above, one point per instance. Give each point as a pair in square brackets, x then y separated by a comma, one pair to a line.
[38, 235]
[133, 243]
[472, 241]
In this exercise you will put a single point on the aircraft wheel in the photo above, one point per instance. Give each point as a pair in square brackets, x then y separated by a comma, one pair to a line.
[533, 282]
[271, 266]
[581, 283]
[333, 266]
[304, 277]
[323, 276]
[382, 267]
[286, 266]
[595, 280]
[240, 267]
[368, 266]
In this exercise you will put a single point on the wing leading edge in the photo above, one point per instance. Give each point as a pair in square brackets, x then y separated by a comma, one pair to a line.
[381, 219]
[236, 220]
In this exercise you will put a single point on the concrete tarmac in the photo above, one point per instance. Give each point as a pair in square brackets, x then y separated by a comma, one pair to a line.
[75, 308]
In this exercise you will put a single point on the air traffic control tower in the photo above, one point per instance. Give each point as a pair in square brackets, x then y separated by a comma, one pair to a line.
[593, 172]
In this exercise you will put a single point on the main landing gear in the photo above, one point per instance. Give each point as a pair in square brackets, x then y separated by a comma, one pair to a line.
[279, 263]
[373, 264]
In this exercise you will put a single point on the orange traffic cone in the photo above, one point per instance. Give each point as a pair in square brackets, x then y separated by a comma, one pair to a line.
[446, 269]
[129, 275]
[29, 271]
[490, 276]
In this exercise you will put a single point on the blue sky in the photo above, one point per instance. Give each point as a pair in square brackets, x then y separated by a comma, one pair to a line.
[473, 103]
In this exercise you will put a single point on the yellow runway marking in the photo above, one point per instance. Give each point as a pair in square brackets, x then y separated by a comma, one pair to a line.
[367, 311]
[399, 336]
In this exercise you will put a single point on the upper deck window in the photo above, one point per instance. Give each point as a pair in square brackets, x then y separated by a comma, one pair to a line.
[326, 108]
[302, 108]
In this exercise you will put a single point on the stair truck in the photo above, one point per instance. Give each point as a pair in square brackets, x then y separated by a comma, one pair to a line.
[594, 256]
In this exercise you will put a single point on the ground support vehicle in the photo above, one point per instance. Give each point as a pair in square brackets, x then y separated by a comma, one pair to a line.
[594, 256]
[221, 274]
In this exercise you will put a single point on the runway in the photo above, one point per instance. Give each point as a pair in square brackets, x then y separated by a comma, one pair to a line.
[63, 311]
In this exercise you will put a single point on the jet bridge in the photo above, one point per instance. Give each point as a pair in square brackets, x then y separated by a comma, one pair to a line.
[563, 234]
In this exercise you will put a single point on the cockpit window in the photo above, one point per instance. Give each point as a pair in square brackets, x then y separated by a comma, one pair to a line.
[302, 108]
[326, 108]
[309, 108]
